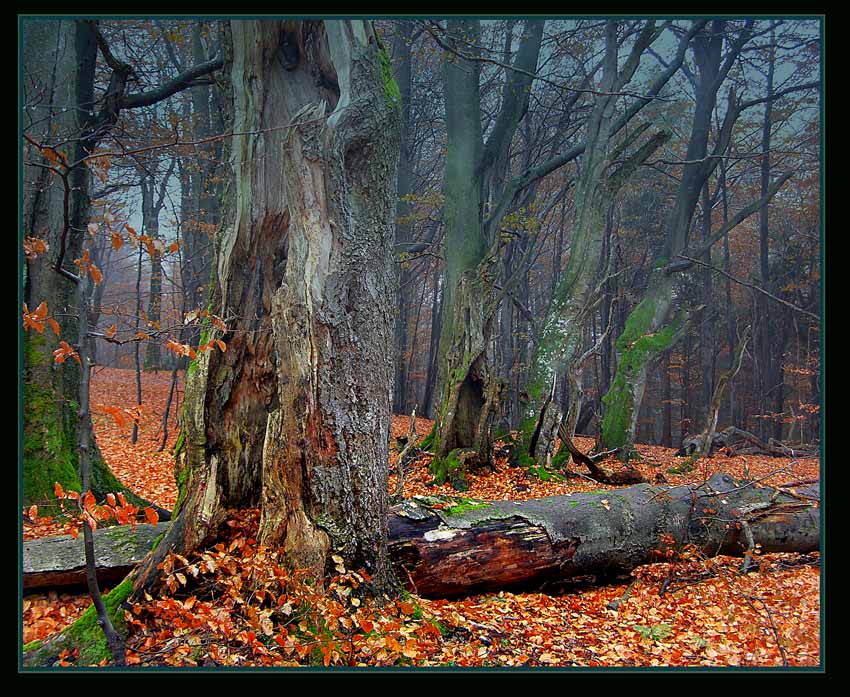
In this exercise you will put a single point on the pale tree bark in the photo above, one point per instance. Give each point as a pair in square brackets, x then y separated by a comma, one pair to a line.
[295, 415]
[649, 330]
[562, 340]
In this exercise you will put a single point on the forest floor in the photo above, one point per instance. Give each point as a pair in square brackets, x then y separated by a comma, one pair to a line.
[693, 612]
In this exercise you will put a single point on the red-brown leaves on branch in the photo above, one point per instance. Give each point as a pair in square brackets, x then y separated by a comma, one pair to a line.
[64, 351]
[33, 246]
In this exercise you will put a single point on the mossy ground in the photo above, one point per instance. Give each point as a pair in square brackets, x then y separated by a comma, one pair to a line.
[85, 634]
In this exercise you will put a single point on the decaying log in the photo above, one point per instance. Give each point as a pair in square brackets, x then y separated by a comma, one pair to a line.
[447, 546]
[471, 546]
[733, 441]
[60, 561]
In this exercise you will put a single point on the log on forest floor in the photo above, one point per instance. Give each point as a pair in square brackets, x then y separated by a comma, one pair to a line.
[60, 561]
[449, 546]
[733, 441]
[483, 546]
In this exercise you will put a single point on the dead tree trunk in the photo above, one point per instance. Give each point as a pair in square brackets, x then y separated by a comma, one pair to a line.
[444, 546]
[295, 415]
[458, 546]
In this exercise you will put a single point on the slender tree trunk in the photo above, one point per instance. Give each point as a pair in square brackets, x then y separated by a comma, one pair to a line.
[713, 411]
[402, 71]
[768, 374]
[652, 327]
[562, 339]
[730, 318]
[667, 396]
[428, 396]
[707, 326]
[137, 360]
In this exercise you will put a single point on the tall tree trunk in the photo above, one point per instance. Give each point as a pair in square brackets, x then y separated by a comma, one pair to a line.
[295, 415]
[402, 56]
[201, 200]
[428, 396]
[562, 340]
[707, 326]
[768, 382]
[652, 327]
[470, 391]
[59, 58]
[667, 427]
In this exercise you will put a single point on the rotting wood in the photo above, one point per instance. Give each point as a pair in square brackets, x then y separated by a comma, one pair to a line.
[447, 546]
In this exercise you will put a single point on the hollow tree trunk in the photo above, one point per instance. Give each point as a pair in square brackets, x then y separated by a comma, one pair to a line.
[295, 414]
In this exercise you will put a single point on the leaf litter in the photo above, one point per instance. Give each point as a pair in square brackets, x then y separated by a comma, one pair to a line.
[235, 604]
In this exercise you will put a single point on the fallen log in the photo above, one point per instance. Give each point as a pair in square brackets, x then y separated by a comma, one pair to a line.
[54, 562]
[448, 546]
[733, 441]
[444, 549]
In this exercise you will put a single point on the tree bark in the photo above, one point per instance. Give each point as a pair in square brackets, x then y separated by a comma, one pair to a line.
[446, 550]
[295, 415]
[447, 546]
[59, 58]
[652, 327]
[469, 388]
[402, 57]
[562, 341]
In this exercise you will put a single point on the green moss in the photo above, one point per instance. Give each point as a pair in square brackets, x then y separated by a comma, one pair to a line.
[391, 90]
[451, 469]
[181, 440]
[464, 505]
[561, 459]
[544, 475]
[50, 441]
[635, 346]
[157, 540]
[686, 465]
[182, 477]
[33, 645]
[50, 448]
[86, 634]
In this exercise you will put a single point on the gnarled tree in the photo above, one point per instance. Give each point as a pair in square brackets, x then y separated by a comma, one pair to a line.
[295, 415]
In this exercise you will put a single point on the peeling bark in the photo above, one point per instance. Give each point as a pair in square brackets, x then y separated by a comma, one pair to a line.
[446, 546]
[295, 415]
